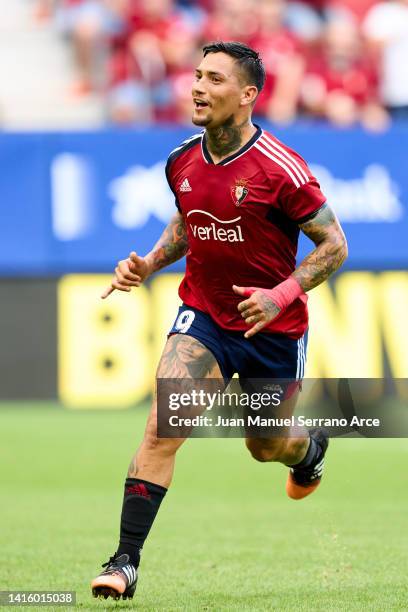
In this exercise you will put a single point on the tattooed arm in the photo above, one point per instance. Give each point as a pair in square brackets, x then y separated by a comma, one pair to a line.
[133, 271]
[330, 252]
[171, 246]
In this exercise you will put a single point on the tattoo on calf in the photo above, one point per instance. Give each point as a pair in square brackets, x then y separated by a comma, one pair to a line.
[132, 471]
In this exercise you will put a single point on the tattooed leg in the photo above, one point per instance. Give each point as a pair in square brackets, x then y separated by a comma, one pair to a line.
[183, 357]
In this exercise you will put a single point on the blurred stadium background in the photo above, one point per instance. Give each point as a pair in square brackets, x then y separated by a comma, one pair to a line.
[93, 96]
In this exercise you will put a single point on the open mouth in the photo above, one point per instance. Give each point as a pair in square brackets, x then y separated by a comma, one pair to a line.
[200, 104]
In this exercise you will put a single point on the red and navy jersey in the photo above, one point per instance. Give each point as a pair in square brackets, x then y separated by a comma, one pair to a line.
[242, 217]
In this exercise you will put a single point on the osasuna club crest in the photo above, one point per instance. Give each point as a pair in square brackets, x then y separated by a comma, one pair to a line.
[239, 192]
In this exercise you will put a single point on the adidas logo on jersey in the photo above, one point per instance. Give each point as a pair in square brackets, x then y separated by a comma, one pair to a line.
[185, 185]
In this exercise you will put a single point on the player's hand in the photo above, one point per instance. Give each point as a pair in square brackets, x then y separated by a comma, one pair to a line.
[130, 272]
[258, 308]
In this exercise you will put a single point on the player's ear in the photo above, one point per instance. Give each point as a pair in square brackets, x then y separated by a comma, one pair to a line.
[249, 94]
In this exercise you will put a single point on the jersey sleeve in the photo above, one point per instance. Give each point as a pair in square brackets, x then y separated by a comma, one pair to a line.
[169, 180]
[301, 196]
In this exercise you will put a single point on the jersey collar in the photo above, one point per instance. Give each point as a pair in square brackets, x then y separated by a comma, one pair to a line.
[231, 158]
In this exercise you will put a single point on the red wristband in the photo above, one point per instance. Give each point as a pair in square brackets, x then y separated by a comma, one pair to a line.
[283, 294]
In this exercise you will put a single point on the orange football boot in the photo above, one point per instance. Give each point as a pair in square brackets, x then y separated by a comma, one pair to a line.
[118, 580]
[302, 482]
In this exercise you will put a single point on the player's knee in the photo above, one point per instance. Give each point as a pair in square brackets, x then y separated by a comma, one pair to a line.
[163, 446]
[153, 443]
[265, 450]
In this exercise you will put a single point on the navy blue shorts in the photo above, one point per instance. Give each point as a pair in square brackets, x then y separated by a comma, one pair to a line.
[262, 356]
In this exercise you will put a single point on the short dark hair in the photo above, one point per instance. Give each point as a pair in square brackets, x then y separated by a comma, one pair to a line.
[248, 59]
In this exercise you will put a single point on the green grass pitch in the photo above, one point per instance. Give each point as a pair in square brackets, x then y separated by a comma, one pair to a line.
[226, 538]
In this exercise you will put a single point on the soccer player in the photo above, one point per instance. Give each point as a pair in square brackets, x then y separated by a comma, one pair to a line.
[242, 197]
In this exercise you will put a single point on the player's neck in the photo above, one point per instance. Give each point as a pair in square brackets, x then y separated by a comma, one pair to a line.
[229, 138]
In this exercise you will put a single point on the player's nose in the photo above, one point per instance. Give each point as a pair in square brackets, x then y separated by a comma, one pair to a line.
[198, 91]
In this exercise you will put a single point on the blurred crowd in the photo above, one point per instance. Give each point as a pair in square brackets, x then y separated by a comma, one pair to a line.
[344, 61]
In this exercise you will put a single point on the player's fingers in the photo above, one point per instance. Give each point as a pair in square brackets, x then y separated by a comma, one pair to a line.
[251, 316]
[107, 292]
[123, 280]
[245, 291]
[127, 283]
[118, 274]
[132, 267]
[119, 286]
[238, 290]
[132, 279]
[111, 289]
[137, 265]
[245, 305]
[255, 329]
[134, 258]
[126, 272]
[129, 276]
[250, 312]
[253, 319]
